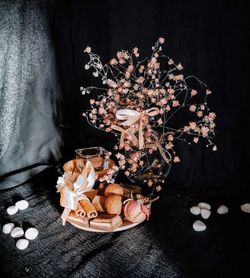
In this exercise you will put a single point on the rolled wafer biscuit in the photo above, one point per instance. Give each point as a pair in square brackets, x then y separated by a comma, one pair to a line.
[89, 208]
[80, 210]
[83, 221]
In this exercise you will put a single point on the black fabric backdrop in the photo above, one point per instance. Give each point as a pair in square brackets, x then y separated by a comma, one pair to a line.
[210, 39]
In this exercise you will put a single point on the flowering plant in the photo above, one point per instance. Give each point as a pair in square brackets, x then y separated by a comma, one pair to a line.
[139, 101]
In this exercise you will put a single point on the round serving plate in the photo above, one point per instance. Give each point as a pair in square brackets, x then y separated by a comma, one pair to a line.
[125, 226]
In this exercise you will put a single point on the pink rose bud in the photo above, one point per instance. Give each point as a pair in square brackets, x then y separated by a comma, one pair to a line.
[135, 212]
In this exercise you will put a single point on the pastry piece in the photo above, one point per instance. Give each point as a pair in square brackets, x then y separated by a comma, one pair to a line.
[135, 212]
[128, 189]
[99, 203]
[88, 208]
[91, 194]
[97, 162]
[106, 222]
[80, 210]
[73, 168]
[83, 221]
[113, 204]
[101, 173]
[74, 165]
[113, 188]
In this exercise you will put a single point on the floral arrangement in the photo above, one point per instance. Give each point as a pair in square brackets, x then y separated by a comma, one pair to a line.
[138, 102]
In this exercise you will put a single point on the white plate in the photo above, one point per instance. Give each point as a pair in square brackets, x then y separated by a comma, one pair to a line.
[125, 226]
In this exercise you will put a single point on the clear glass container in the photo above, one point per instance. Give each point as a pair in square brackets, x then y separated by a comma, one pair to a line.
[98, 156]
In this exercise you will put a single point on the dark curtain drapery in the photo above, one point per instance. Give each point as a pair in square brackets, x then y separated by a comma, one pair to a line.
[209, 38]
[29, 138]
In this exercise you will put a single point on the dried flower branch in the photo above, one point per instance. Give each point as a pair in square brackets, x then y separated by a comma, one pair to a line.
[139, 101]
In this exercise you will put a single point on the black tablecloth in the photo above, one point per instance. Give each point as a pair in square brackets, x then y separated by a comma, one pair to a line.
[166, 246]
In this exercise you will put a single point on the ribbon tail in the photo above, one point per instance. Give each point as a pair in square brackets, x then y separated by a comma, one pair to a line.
[141, 138]
[163, 154]
[117, 128]
[65, 215]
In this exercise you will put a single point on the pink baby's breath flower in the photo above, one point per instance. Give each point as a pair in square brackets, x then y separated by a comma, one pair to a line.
[199, 114]
[150, 151]
[170, 137]
[193, 92]
[176, 159]
[161, 40]
[111, 83]
[175, 103]
[170, 62]
[163, 101]
[211, 116]
[158, 188]
[113, 61]
[126, 173]
[170, 91]
[214, 148]
[87, 49]
[192, 108]
[192, 125]
[208, 92]
[140, 80]
[135, 52]
[179, 66]
[204, 131]
[160, 122]
[196, 139]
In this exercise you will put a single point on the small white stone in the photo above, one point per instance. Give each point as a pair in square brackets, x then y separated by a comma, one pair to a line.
[222, 209]
[195, 210]
[7, 228]
[245, 208]
[17, 232]
[204, 205]
[205, 213]
[12, 210]
[22, 204]
[22, 244]
[199, 226]
[31, 233]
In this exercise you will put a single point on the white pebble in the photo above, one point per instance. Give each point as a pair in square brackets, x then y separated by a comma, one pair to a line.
[205, 213]
[7, 228]
[31, 233]
[195, 210]
[204, 205]
[245, 208]
[199, 226]
[17, 232]
[222, 209]
[22, 244]
[12, 210]
[22, 204]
